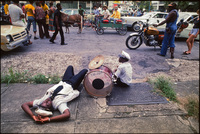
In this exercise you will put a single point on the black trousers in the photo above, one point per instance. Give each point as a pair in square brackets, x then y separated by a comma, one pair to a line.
[120, 83]
[55, 34]
[74, 80]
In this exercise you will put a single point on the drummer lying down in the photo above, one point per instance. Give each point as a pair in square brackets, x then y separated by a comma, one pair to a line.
[56, 98]
[123, 74]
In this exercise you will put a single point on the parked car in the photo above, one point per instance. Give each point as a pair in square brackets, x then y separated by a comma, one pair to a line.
[187, 17]
[70, 11]
[134, 22]
[13, 36]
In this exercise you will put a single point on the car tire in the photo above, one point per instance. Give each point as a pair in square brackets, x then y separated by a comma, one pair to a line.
[136, 27]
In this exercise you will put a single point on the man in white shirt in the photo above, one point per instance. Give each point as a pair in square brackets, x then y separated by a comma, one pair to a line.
[123, 73]
[105, 13]
[16, 14]
[56, 98]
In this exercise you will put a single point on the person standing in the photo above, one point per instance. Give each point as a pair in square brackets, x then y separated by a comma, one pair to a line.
[40, 19]
[16, 15]
[51, 16]
[30, 12]
[81, 11]
[58, 25]
[46, 28]
[192, 35]
[171, 27]
[6, 8]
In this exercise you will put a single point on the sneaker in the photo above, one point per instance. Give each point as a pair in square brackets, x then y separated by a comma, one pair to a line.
[35, 38]
[63, 44]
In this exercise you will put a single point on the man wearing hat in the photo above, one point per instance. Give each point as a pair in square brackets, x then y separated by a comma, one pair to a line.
[171, 27]
[105, 13]
[123, 73]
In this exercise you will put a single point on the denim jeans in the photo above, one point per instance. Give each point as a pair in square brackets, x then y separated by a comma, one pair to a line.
[72, 79]
[114, 19]
[169, 39]
[31, 19]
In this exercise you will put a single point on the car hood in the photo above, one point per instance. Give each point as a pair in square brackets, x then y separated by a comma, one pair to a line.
[135, 18]
[10, 29]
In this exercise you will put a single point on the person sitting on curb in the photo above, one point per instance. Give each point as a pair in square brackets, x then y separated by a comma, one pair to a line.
[116, 15]
[123, 74]
[56, 98]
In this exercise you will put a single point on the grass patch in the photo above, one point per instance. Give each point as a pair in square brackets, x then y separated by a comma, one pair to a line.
[192, 107]
[165, 85]
[24, 77]
[14, 76]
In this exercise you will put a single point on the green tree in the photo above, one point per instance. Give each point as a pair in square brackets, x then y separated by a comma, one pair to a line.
[184, 5]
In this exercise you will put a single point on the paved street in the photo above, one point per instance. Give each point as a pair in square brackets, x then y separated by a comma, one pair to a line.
[90, 115]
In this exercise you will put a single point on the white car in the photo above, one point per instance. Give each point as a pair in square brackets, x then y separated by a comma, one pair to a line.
[153, 17]
[70, 11]
[187, 17]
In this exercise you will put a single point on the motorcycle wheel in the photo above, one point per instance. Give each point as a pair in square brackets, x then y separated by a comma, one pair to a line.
[133, 42]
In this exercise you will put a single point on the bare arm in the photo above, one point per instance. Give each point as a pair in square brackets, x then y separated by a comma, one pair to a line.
[63, 117]
[26, 107]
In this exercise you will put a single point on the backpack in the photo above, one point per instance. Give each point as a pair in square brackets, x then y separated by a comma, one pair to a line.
[39, 13]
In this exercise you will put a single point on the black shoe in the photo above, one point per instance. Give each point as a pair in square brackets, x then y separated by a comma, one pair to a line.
[51, 41]
[160, 55]
[35, 38]
[63, 44]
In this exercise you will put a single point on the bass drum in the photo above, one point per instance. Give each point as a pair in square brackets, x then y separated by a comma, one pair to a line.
[98, 82]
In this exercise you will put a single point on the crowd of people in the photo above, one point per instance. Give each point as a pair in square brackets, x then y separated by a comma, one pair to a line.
[23, 15]
[48, 19]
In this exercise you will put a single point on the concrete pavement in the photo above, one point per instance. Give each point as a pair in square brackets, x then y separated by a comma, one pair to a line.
[90, 115]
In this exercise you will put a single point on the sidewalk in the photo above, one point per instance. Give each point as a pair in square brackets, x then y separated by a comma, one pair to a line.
[90, 115]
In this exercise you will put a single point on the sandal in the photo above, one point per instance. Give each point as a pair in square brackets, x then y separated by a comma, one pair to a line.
[185, 53]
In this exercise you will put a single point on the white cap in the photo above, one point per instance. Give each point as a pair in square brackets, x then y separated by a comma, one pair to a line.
[125, 55]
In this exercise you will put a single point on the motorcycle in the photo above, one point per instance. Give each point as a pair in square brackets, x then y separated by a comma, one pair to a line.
[151, 36]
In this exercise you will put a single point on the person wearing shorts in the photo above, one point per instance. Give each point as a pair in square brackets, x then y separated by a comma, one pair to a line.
[56, 97]
[192, 35]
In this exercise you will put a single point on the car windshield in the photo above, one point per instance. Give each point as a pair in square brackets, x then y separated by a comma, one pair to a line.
[187, 16]
[68, 12]
[147, 15]
[75, 12]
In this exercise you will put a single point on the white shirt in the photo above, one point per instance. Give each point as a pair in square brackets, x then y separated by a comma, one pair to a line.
[100, 10]
[15, 12]
[106, 13]
[124, 72]
[60, 101]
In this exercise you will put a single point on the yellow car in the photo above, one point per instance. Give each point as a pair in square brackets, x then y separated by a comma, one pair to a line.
[13, 36]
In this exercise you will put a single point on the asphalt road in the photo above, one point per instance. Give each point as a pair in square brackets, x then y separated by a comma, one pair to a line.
[89, 44]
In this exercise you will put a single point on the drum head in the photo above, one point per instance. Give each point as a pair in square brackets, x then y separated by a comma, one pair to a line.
[98, 83]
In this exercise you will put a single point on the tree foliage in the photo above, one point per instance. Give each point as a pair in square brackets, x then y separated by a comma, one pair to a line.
[184, 5]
